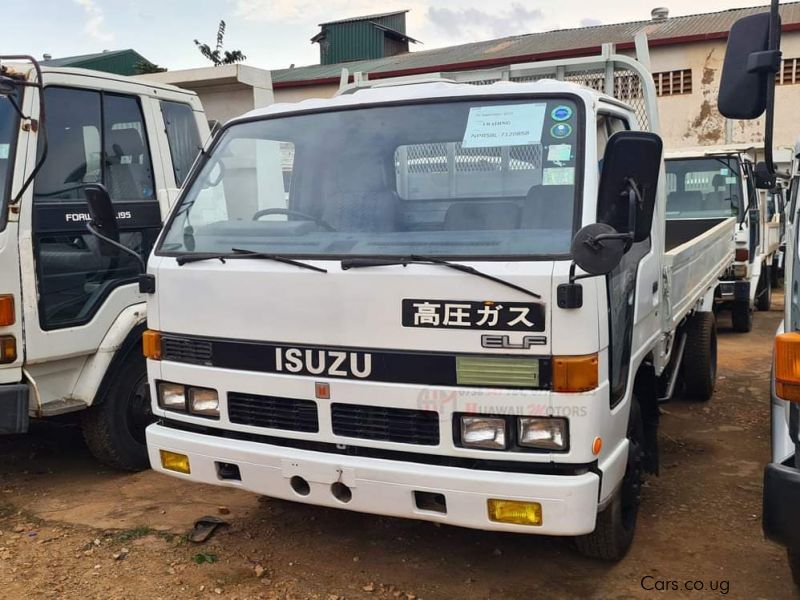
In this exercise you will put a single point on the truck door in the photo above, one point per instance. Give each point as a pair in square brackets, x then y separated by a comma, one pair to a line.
[753, 216]
[76, 292]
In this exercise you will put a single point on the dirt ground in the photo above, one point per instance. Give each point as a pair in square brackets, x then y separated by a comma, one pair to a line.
[71, 529]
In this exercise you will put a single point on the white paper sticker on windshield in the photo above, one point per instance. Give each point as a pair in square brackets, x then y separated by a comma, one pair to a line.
[560, 176]
[730, 180]
[4, 148]
[559, 153]
[510, 125]
[723, 171]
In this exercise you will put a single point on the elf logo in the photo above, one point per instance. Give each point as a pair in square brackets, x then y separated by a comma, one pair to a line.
[335, 363]
[504, 341]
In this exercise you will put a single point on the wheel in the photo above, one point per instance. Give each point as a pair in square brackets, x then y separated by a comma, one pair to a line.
[794, 565]
[616, 524]
[742, 316]
[764, 292]
[114, 427]
[699, 366]
[775, 274]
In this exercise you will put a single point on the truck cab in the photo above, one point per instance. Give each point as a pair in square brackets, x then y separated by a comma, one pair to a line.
[410, 300]
[711, 182]
[71, 315]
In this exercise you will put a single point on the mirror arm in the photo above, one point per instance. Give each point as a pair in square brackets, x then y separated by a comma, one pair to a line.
[94, 231]
[770, 62]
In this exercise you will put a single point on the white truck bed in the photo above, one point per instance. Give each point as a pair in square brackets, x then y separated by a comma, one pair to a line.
[693, 267]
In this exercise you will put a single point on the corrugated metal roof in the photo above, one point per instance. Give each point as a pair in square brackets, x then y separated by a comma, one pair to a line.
[366, 17]
[551, 43]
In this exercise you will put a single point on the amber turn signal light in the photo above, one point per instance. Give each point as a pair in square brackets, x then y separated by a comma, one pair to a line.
[787, 366]
[8, 349]
[7, 316]
[151, 344]
[575, 373]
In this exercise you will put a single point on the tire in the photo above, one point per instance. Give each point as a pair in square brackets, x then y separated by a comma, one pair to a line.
[114, 426]
[616, 524]
[764, 293]
[775, 274]
[742, 316]
[699, 366]
[794, 565]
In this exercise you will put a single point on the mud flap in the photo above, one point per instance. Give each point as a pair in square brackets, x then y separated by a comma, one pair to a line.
[646, 389]
[14, 400]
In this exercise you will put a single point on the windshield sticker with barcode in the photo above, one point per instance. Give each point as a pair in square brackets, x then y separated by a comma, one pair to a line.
[559, 176]
[508, 125]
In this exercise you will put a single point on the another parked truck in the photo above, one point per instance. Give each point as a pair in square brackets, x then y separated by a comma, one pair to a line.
[714, 182]
[747, 91]
[71, 316]
[451, 302]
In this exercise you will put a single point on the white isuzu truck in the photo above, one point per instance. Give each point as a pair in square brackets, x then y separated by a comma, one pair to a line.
[71, 315]
[440, 301]
[714, 182]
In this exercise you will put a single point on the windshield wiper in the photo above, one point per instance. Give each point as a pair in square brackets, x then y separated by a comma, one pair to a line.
[360, 263]
[240, 253]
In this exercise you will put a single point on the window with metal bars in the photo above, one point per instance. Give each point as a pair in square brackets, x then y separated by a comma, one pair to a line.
[673, 83]
[789, 72]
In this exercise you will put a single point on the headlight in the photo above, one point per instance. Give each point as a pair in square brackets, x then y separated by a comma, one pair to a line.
[203, 401]
[483, 432]
[544, 433]
[172, 396]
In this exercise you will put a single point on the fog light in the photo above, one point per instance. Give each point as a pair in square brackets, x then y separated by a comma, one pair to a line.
[515, 511]
[174, 461]
[545, 433]
[203, 401]
[483, 432]
[172, 396]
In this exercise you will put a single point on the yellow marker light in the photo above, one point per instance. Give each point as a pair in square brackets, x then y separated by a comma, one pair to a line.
[787, 366]
[575, 373]
[515, 511]
[597, 446]
[174, 461]
[151, 344]
[7, 315]
[8, 349]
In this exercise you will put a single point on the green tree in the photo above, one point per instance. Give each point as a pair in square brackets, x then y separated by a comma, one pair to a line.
[145, 67]
[218, 56]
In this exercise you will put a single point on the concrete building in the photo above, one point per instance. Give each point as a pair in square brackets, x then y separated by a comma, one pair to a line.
[226, 91]
[686, 60]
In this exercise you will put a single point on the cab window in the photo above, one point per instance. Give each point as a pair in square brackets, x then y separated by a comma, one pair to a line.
[182, 136]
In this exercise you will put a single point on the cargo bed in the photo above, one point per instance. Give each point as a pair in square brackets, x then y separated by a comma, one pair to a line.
[697, 253]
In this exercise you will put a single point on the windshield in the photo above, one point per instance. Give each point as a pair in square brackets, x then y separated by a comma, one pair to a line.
[9, 120]
[475, 178]
[702, 188]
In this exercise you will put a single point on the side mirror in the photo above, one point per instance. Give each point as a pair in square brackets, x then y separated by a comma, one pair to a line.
[764, 179]
[104, 224]
[627, 194]
[104, 217]
[748, 64]
[597, 248]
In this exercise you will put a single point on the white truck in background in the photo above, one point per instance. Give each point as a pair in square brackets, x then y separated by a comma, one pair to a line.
[71, 316]
[713, 182]
[452, 310]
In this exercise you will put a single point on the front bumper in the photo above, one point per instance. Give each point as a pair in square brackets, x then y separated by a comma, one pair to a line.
[383, 487]
[14, 401]
[782, 504]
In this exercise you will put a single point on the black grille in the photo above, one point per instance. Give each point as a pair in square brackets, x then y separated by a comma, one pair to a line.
[186, 350]
[386, 424]
[275, 413]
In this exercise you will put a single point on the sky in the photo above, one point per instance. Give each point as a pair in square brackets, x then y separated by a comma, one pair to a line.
[275, 34]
